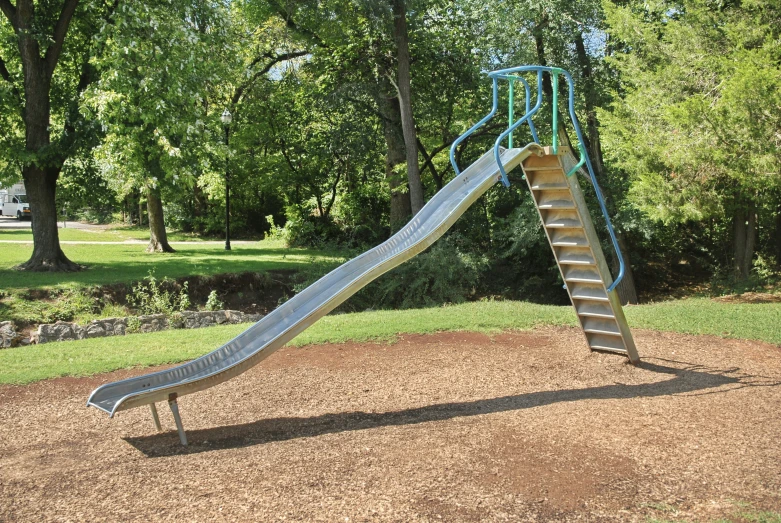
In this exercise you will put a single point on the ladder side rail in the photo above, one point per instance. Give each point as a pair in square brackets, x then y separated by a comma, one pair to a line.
[514, 126]
[600, 197]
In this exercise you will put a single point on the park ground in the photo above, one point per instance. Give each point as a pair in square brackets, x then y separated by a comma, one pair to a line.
[458, 426]
[485, 411]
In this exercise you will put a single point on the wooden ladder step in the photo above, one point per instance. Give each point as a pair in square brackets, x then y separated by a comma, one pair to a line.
[590, 309]
[563, 223]
[573, 256]
[574, 261]
[550, 186]
[564, 240]
[542, 168]
[605, 348]
[584, 291]
[556, 204]
[602, 342]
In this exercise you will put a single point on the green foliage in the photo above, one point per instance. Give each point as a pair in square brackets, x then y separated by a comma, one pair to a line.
[764, 276]
[213, 303]
[156, 297]
[66, 305]
[444, 274]
[133, 324]
[696, 117]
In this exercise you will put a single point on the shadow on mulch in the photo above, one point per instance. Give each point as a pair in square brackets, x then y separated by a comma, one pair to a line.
[691, 378]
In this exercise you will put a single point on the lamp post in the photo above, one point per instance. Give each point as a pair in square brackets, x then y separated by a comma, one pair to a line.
[226, 119]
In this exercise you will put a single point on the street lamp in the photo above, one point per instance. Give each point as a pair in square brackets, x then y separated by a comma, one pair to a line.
[226, 119]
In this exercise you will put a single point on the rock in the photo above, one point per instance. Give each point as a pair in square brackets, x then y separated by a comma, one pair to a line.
[60, 331]
[8, 335]
[234, 316]
[153, 323]
[95, 330]
[63, 331]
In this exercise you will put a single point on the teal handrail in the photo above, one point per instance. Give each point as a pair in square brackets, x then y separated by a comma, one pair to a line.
[511, 75]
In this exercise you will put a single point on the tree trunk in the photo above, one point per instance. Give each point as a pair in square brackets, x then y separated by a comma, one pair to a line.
[39, 172]
[627, 292]
[41, 182]
[47, 255]
[593, 143]
[744, 239]
[400, 207]
[539, 45]
[158, 238]
[777, 242]
[404, 89]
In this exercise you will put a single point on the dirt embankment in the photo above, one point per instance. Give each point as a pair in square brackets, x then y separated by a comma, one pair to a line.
[249, 292]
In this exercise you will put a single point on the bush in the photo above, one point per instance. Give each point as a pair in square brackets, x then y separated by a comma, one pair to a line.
[213, 303]
[153, 297]
[67, 305]
[443, 274]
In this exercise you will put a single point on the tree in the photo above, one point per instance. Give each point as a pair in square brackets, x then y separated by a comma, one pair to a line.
[697, 123]
[150, 99]
[46, 126]
[404, 88]
[360, 51]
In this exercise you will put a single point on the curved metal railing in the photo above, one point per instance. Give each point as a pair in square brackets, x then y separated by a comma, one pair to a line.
[510, 74]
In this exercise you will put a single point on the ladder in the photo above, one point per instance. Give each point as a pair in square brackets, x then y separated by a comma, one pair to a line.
[570, 232]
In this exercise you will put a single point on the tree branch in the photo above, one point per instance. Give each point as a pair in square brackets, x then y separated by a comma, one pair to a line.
[287, 18]
[60, 30]
[7, 77]
[274, 61]
[368, 107]
[430, 161]
[9, 11]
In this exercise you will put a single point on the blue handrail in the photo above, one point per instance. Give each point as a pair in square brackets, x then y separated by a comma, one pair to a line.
[476, 126]
[510, 75]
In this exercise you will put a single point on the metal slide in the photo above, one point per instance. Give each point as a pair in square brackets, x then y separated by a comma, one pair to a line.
[294, 316]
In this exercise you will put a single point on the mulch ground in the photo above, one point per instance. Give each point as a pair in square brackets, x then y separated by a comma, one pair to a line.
[523, 426]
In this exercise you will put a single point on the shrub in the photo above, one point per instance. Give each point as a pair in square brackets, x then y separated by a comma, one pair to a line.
[157, 297]
[213, 303]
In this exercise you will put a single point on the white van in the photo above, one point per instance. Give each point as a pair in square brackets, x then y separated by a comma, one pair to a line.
[13, 202]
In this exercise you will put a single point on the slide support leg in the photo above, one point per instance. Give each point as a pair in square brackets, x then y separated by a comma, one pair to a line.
[175, 410]
[155, 417]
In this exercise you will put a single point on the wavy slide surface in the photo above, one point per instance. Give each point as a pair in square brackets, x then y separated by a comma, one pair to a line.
[294, 316]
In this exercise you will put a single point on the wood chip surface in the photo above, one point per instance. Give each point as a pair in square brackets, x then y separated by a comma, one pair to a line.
[521, 426]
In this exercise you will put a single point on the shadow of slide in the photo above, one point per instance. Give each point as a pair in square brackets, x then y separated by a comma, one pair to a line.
[688, 379]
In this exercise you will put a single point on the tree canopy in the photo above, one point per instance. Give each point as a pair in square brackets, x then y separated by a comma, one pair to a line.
[344, 112]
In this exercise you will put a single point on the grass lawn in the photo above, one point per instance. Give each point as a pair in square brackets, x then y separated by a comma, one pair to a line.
[113, 234]
[86, 357]
[126, 263]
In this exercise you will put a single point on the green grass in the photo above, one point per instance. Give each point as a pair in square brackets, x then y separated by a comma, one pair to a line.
[740, 516]
[704, 316]
[125, 263]
[112, 234]
[86, 357]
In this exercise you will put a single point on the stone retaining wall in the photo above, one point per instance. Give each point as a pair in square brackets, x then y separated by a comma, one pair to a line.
[9, 337]
[63, 331]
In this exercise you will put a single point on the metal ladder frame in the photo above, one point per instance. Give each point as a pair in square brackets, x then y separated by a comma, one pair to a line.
[510, 75]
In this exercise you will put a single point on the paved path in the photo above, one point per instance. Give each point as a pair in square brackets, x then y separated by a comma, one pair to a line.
[7, 222]
[137, 242]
